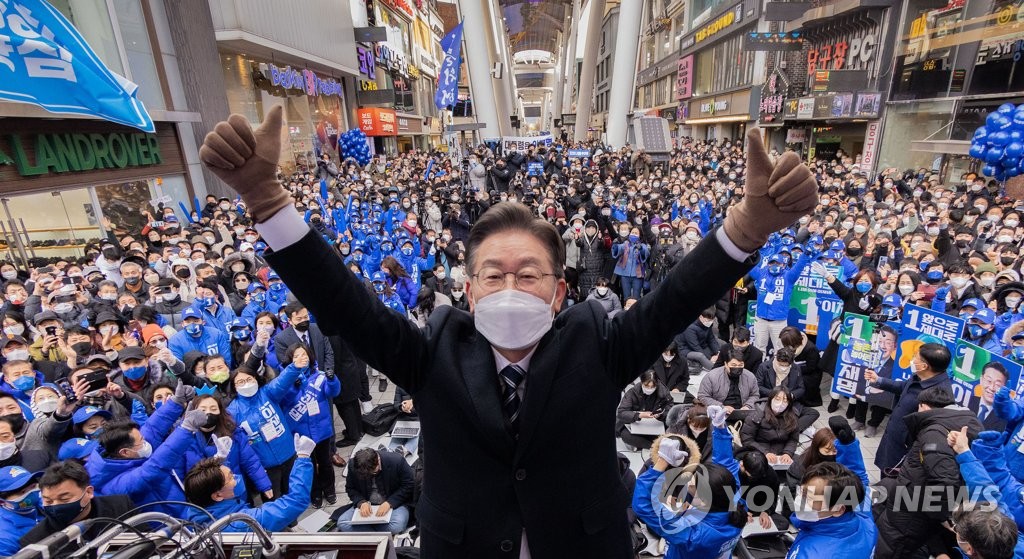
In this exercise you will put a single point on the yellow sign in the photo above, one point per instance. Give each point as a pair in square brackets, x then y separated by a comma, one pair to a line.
[414, 72]
[919, 26]
[725, 20]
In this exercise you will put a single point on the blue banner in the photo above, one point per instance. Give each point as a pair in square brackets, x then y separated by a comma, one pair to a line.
[579, 153]
[534, 169]
[44, 61]
[810, 295]
[448, 76]
[921, 326]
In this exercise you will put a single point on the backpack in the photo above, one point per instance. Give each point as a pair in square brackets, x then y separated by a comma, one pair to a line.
[380, 420]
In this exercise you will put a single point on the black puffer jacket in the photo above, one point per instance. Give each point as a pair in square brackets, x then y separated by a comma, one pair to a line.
[635, 401]
[768, 437]
[930, 462]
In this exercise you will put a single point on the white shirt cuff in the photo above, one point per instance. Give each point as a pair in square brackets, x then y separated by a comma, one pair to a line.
[283, 229]
[728, 246]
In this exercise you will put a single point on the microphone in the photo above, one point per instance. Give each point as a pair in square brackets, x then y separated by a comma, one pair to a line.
[49, 546]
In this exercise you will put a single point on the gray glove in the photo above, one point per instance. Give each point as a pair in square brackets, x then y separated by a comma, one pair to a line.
[304, 446]
[183, 394]
[717, 415]
[193, 421]
[820, 269]
[223, 446]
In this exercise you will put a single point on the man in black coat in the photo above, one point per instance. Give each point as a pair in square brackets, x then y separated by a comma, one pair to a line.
[501, 175]
[351, 372]
[381, 479]
[497, 452]
[302, 330]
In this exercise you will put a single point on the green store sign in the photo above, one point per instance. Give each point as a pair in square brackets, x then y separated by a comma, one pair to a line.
[62, 153]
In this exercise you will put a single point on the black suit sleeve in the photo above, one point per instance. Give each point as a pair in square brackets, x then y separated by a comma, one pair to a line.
[635, 338]
[406, 482]
[386, 340]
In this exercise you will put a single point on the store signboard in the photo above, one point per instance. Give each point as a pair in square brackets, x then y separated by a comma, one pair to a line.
[867, 105]
[796, 135]
[721, 23]
[40, 154]
[805, 108]
[305, 81]
[684, 78]
[871, 137]
[410, 125]
[855, 49]
[367, 62]
[784, 41]
[790, 108]
[378, 122]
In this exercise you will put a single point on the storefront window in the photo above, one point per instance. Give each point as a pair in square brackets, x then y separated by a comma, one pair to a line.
[140, 52]
[910, 122]
[722, 67]
[92, 20]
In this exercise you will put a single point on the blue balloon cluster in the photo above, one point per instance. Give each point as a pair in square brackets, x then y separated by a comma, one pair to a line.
[1000, 142]
[353, 144]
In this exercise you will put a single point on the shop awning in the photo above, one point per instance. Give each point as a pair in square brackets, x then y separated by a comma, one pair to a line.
[953, 147]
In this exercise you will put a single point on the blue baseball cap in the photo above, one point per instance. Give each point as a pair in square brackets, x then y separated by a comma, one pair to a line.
[837, 245]
[974, 302]
[254, 286]
[238, 323]
[273, 276]
[776, 259]
[984, 315]
[76, 448]
[190, 313]
[16, 477]
[892, 300]
[83, 414]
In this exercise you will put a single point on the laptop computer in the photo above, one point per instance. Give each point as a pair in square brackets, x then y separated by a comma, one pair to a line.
[405, 430]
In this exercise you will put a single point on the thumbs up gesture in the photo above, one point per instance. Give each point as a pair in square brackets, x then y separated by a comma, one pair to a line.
[775, 195]
[958, 441]
[247, 159]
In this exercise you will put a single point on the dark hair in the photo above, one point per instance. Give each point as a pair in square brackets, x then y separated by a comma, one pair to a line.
[813, 455]
[719, 479]
[869, 274]
[708, 312]
[936, 397]
[273, 318]
[211, 284]
[937, 356]
[791, 337]
[998, 367]
[365, 462]
[787, 419]
[394, 269]
[203, 480]
[69, 470]
[732, 354]
[741, 334]
[289, 355]
[513, 216]
[759, 473]
[292, 308]
[226, 423]
[839, 481]
[648, 376]
[992, 534]
[785, 355]
[117, 435]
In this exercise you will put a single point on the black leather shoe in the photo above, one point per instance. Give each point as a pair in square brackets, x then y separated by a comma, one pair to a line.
[331, 499]
[345, 442]
[316, 502]
[833, 405]
[382, 384]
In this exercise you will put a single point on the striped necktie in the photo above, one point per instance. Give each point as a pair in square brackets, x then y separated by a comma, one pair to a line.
[512, 376]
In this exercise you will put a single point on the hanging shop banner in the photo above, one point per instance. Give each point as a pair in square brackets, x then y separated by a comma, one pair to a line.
[867, 162]
[378, 122]
[684, 78]
[921, 326]
[448, 77]
[978, 374]
[44, 61]
[803, 300]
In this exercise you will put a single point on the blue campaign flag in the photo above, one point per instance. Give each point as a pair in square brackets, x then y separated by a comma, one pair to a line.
[45, 61]
[448, 77]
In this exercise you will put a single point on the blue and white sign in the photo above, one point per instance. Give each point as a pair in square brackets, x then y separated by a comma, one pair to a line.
[534, 169]
[921, 326]
[45, 61]
[579, 153]
[448, 77]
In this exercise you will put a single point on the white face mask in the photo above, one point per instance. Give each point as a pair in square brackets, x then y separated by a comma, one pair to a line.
[108, 330]
[987, 281]
[1012, 302]
[457, 295]
[9, 275]
[707, 322]
[15, 330]
[512, 319]
[7, 450]
[906, 290]
[17, 355]
[958, 283]
[668, 357]
[61, 308]
[779, 407]
[648, 391]
[602, 290]
[146, 451]
[440, 275]
[48, 405]
[248, 390]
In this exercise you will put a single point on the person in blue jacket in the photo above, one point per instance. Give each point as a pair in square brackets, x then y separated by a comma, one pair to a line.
[258, 302]
[413, 263]
[631, 255]
[128, 462]
[983, 467]
[196, 336]
[213, 486]
[711, 522]
[386, 293]
[207, 303]
[277, 291]
[20, 380]
[258, 409]
[19, 506]
[828, 526]
[311, 417]
[774, 285]
[1012, 412]
[981, 331]
[222, 438]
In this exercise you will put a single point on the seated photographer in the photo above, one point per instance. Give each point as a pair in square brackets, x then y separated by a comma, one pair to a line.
[379, 479]
[211, 485]
[646, 399]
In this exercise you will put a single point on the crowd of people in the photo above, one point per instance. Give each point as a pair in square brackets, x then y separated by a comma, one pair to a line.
[171, 369]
